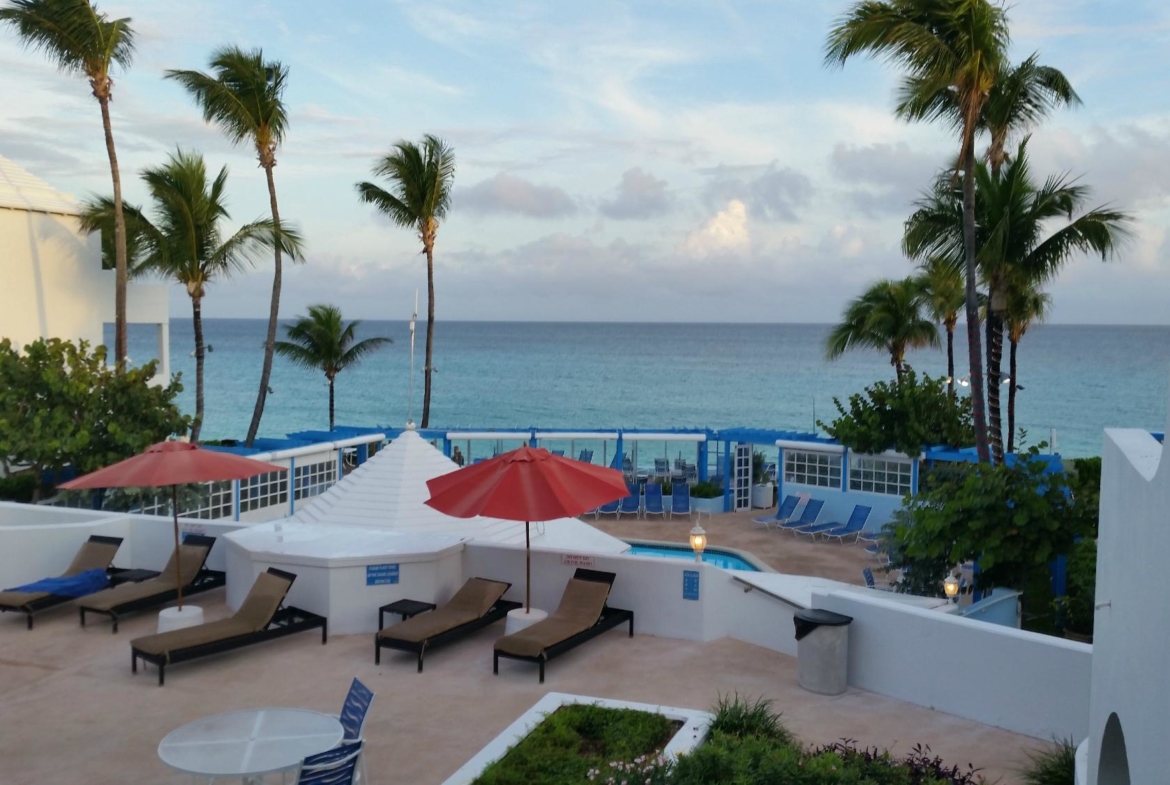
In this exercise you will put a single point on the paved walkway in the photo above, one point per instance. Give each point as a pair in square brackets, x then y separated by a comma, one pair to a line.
[70, 710]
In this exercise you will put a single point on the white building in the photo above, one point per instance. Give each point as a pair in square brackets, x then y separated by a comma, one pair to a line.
[54, 284]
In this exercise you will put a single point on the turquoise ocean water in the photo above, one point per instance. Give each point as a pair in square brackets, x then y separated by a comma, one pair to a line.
[1076, 379]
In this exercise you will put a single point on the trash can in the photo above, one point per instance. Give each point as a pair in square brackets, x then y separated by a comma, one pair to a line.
[822, 650]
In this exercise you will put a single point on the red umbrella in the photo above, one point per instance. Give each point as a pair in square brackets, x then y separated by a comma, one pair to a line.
[526, 485]
[173, 464]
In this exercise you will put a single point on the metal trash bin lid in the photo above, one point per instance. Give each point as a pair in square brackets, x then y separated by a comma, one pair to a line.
[808, 620]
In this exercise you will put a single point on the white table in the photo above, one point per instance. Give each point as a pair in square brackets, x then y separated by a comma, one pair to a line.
[249, 743]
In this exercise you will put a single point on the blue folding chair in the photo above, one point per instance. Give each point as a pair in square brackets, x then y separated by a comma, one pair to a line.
[653, 504]
[783, 513]
[353, 713]
[852, 527]
[680, 499]
[337, 766]
[631, 504]
[808, 517]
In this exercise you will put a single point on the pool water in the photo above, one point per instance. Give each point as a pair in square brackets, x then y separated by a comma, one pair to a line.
[724, 559]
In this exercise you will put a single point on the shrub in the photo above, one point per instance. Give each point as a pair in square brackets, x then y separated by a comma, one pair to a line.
[741, 717]
[20, 487]
[1055, 766]
[706, 490]
[1076, 607]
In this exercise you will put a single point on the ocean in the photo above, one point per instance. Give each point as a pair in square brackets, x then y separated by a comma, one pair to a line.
[1076, 379]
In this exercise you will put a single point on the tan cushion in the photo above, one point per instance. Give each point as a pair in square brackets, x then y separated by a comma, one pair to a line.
[166, 642]
[191, 559]
[473, 600]
[108, 599]
[92, 556]
[262, 601]
[580, 608]
[478, 596]
[18, 599]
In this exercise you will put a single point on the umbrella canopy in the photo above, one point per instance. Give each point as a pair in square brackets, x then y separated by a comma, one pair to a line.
[527, 484]
[172, 463]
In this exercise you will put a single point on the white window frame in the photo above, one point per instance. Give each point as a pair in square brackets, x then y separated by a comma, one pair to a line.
[313, 479]
[263, 490]
[885, 474]
[815, 468]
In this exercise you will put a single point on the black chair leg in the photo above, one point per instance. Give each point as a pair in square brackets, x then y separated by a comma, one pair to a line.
[161, 673]
[324, 633]
[496, 664]
[631, 625]
[115, 628]
[420, 659]
[30, 617]
[133, 662]
[81, 611]
[542, 671]
[377, 652]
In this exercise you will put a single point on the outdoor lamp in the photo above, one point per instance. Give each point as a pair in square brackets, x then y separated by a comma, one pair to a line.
[951, 588]
[698, 541]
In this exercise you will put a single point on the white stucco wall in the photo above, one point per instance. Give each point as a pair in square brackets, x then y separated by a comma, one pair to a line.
[1131, 634]
[1021, 681]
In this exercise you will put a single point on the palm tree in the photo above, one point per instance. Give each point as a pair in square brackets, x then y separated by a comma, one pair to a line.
[86, 42]
[323, 341]
[941, 285]
[421, 176]
[952, 52]
[244, 96]
[1012, 245]
[1026, 306]
[888, 317]
[1022, 96]
[183, 239]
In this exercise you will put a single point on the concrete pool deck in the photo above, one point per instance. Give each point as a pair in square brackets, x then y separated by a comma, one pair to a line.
[70, 709]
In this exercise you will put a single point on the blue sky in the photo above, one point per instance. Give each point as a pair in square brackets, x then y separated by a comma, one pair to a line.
[689, 161]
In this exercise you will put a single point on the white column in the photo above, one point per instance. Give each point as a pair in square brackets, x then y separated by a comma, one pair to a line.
[164, 351]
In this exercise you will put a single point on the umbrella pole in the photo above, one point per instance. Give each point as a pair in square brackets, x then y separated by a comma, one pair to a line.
[527, 571]
[178, 572]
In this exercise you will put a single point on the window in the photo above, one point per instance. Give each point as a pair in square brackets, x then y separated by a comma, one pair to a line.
[879, 475]
[314, 478]
[821, 469]
[208, 500]
[263, 490]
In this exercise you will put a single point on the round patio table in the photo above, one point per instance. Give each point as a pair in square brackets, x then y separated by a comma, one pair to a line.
[249, 743]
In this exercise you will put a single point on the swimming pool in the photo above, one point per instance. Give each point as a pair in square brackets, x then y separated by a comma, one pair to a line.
[724, 559]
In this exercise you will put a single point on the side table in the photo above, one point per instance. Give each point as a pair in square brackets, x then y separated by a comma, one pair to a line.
[404, 608]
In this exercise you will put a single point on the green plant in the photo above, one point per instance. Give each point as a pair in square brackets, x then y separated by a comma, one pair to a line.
[21, 487]
[759, 472]
[706, 490]
[1053, 766]
[61, 405]
[740, 717]
[903, 416]
[1075, 610]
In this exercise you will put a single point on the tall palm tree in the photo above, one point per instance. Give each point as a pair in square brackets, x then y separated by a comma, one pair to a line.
[888, 317]
[83, 41]
[941, 285]
[1021, 98]
[1026, 305]
[1013, 246]
[244, 96]
[421, 177]
[323, 341]
[952, 52]
[183, 239]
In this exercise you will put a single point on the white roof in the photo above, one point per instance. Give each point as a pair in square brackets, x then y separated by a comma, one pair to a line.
[20, 189]
[307, 543]
[389, 491]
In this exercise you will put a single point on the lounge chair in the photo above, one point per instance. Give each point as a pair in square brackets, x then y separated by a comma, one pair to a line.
[867, 573]
[260, 618]
[813, 529]
[661, 467]
[558, 453]
[130, 597]
[337, 766]
[680, 500]
[606, 509]
[808, 516]
[783, 513]
[852, 527]
[631, 503]
[653, 502]
[585, 456]
[476, 605]
[583, 614]
[96, 554]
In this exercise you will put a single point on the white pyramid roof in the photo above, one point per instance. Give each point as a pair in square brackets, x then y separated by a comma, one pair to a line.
[20, 189]
[389, 491]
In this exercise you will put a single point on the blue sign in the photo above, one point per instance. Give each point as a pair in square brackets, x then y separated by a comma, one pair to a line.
[690, 584]
[381, 574]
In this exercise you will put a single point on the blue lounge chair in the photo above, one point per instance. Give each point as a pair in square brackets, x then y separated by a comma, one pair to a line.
[606, 509]
[335, 767]
[867, 573]
[653, 504]
[632, 503]
[783, 513]
[586, 456]
[812, 530]
[852, 527]
[680, 500]
[558, 453]
[812, 510]
[661, 467]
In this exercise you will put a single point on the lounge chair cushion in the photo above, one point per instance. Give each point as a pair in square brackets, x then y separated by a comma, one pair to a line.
[191, 559]
[263, 600]
[18, 599]
[580, 608]
[164, 643]
[471, 602]
[91, 556]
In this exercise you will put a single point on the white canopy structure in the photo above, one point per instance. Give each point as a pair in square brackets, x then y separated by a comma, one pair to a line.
[389, 492]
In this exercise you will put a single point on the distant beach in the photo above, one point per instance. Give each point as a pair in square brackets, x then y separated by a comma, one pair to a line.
[1076, 379]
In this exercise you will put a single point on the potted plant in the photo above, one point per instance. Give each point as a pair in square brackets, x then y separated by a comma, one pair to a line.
[762, 493]
[706, 497]
[1075, 609]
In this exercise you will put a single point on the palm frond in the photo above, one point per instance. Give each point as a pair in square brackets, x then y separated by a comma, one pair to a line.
[73, 34]
[323, 341]
[389, 204]
[421, 178]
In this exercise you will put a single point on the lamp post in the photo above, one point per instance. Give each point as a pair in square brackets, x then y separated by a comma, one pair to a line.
[698, 541]
[951, 588]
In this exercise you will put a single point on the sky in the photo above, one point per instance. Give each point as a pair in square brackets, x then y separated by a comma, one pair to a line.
[665, 160]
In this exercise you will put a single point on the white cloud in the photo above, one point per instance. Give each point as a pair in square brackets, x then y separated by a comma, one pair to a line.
[505, 193]
[726, 232]
[639, 195]
[770, 192]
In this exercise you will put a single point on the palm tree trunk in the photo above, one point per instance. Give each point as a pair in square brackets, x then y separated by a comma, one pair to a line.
[120, 274]
[197, 319]
[994, 358]
[426, 412]
[273, 316]
[951, 360]
[974, 348]
[1012, 396]
[331, 403]
[894, 361]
